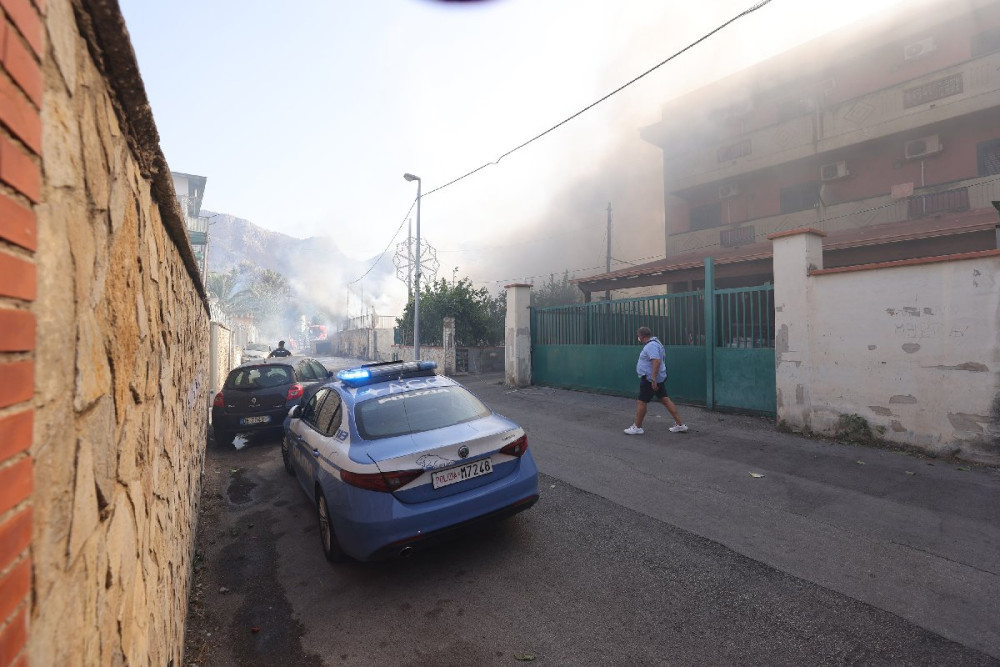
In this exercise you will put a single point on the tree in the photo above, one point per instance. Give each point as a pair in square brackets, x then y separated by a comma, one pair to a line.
[556, 293]
[475, 314]
[228, 292]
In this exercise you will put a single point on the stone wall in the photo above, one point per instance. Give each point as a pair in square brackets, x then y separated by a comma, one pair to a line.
[370, 344]
[223, 357]
[912, 347]
[121, 368]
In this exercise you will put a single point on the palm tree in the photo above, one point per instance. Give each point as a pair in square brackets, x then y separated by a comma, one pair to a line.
[226, 293]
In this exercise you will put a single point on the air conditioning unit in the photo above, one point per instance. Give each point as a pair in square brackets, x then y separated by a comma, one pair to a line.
[728, 190]
[833, 171]
[923, 147]
[919, 49]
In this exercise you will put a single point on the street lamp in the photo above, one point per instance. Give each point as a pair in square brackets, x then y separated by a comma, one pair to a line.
[416, 277]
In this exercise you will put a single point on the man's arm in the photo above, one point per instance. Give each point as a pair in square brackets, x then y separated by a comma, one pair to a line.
[656, 371]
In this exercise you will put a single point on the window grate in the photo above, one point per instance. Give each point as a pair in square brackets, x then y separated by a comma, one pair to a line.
[935, 90]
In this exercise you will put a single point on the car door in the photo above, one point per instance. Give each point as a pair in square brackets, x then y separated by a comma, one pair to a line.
[319, 435]
[301, 450]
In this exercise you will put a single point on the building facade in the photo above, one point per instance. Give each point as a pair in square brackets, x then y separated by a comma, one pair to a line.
[884, 135]
[190, 191]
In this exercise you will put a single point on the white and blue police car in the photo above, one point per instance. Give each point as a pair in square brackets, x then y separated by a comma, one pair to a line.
[395, 457]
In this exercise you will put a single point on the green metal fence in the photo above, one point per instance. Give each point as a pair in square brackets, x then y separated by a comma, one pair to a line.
[743, 359]
[593, 346]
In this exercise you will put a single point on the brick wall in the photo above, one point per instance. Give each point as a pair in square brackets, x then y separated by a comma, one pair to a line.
[21, 43]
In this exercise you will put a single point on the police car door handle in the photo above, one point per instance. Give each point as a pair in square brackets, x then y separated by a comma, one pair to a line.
[316, 453]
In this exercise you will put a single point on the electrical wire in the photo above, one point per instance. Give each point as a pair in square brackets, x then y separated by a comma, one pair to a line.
[388, 245]
[614, 92]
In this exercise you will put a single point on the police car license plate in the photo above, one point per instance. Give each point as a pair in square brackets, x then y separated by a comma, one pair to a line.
[262, 419]
[461, 473]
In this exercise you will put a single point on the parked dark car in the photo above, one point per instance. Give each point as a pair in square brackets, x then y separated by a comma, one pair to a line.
[257, 395]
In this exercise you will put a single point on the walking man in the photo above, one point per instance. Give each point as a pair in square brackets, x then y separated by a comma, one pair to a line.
[281, 351]
[652, 371]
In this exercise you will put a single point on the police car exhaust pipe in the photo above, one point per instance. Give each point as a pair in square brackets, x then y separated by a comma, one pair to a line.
[405, 552]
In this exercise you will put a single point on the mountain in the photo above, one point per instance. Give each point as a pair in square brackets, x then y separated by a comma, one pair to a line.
[233, 240]
[318, 272]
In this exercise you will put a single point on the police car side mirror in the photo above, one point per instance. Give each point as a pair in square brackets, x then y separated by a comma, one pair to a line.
[329, 374]
[295, 411]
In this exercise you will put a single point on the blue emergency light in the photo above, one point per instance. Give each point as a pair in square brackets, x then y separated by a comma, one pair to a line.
[384, 371]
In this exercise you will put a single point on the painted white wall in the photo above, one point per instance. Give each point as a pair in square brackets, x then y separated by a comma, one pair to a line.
[517, 336]
[914, 349]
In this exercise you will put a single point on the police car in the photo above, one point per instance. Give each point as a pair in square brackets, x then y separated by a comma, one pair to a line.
[394, 456]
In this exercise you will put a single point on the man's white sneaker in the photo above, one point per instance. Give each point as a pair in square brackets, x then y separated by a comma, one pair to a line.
[676, 428]
[634, 430]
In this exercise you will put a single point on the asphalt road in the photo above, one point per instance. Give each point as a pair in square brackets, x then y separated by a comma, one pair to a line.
[652, 550]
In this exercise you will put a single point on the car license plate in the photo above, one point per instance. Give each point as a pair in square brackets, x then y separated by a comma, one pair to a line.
[262, 419]
[461, 473]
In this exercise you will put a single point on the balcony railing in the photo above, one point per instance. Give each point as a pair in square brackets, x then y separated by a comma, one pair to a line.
[971, 195]
[949, 201]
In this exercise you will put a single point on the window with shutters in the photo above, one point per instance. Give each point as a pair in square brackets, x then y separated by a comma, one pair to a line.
[989, 157]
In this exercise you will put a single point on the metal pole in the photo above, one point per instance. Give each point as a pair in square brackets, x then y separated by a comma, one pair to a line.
[710, 333]
[607, 293]
[416, 290]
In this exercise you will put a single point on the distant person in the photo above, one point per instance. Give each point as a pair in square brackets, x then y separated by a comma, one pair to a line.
[280, 351]
[652, 371]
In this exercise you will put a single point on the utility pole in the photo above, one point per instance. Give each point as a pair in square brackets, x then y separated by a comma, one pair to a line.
[409, 258]
[607, 293]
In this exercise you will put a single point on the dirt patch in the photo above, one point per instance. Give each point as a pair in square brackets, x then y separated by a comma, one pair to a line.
[238, 613]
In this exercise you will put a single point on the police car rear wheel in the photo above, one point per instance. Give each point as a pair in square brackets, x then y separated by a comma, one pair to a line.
[331, 549]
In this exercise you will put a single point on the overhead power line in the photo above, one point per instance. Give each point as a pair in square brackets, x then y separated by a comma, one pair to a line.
[379, 259]
[614, 92]
[587, 108]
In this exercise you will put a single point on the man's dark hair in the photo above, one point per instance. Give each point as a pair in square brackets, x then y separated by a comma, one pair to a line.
[281, 343]
[644, 332]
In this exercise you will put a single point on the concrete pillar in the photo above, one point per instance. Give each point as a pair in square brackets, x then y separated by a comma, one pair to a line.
[448, 338]
[517, 336]
[796, 252]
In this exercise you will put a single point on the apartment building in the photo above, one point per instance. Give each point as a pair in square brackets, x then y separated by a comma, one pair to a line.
[884, 135]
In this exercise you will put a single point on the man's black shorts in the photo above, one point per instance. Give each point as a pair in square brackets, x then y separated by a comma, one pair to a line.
[646, 393]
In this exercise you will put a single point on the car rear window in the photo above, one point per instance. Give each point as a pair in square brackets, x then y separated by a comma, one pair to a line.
[259, 377]
[417, 411]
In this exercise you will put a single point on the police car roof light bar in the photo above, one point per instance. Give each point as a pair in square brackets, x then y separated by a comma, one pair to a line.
[384, 371]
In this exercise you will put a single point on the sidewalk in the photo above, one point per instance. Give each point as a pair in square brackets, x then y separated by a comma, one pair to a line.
[915, 536]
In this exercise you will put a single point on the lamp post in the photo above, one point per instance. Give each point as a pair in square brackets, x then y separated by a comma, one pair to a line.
[416, 277]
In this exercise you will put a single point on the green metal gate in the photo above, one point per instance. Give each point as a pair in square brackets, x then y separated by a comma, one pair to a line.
[719, 345]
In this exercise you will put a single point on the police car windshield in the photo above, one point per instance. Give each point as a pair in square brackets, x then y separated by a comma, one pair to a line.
[417, 411]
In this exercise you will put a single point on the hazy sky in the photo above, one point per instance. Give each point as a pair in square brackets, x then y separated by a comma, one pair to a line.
[305, 115]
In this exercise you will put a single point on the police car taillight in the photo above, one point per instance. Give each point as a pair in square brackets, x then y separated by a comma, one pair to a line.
[384, 482]
[516, 448]
[295, 391]
[219, 402]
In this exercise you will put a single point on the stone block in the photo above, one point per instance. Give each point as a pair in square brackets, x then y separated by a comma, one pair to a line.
[85, 510]
[93, 374]
[95, 426]
[94, 160]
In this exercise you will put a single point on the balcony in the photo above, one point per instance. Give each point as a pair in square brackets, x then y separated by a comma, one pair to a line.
[966, 88]
[924, 205]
